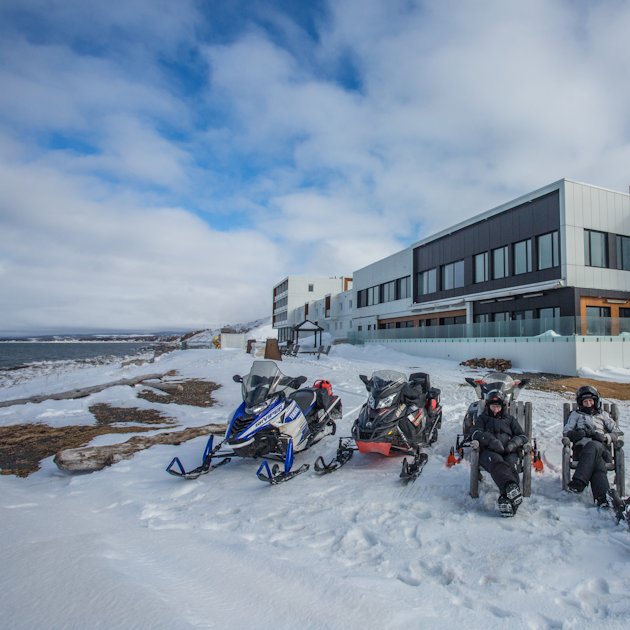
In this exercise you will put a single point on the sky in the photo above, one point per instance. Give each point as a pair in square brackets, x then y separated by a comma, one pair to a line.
[164, 164]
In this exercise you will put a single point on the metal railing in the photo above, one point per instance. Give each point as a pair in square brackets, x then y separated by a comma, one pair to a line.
[550, 326]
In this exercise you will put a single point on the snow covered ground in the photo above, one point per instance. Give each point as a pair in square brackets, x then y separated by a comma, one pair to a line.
[133, 547]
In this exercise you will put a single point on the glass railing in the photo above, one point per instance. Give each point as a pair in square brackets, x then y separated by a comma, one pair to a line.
[548, 327]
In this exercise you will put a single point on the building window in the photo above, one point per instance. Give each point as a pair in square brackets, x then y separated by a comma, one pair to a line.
[548, 313]
[500, 263]
[453, 275]
[548, 255]
[529, 314]
[427, 281]
[595, 249]
[523, 256]
[623, 252]
[483, 318]
[311, 288]
[598, 320]
[389, 291]
[504, 316]
[402, 288]
[481, 268]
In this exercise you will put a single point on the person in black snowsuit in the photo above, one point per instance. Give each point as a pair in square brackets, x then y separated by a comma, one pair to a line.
[591, 431]
[500, 436]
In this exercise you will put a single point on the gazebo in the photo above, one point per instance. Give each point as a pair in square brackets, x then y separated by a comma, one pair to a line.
[307, 326]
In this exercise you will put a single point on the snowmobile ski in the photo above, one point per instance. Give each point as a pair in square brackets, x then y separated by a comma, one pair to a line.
[206, 465]
[274, 476]
[343, 456]
[411, 470]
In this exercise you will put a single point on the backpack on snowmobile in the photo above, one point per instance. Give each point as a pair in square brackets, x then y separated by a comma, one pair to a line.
[402, 414]
[276, 419]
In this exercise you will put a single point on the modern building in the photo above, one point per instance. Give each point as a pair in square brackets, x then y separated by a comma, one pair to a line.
[548, 272]
[297, 298]
[556, 254]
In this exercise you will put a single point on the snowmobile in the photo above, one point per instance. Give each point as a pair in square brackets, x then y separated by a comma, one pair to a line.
[494, 381]
[276, 419]
[401, 416]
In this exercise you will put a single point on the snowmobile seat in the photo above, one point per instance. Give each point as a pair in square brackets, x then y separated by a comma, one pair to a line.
[420, 380]
[305, 398]
[523, 413]
[616, 450]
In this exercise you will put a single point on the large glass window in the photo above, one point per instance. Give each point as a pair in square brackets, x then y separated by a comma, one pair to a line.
[548, 255]
[389, 291]
[500, 263]
[523, 256]
[598, 320]
[427, 281]
[402, 288]
[503, 316]
[623, 252]
[480, 268]
[595, 249]
[453, 275]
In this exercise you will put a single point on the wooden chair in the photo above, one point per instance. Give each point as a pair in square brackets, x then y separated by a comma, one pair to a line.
[616, 450]
[523, 413]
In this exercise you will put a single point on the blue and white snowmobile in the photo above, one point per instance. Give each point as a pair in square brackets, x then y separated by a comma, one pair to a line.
[275, 420]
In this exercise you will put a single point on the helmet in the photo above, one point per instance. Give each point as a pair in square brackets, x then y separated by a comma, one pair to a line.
[495, 397]
[588, 391]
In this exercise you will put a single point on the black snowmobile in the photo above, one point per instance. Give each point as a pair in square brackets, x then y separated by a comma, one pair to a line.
[401, 416]
[276, 420]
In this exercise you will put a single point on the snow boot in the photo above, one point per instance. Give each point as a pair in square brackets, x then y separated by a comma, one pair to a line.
[513, 493]
[576, 486]
[505, 506]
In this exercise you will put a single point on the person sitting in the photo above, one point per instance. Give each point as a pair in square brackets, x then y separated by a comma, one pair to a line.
[500, 436]
[591, 430]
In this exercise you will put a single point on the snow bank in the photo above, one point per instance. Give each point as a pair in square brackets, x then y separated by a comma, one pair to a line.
[131, 546]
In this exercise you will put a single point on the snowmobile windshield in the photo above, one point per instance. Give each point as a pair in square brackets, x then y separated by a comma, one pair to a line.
[263, 381]
[385, 386]
[497, 381]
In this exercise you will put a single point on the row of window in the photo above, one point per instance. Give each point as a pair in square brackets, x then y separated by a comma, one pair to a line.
[493, 265]
[506, 316]
[387, 292]
[596, 250]
[281, 288]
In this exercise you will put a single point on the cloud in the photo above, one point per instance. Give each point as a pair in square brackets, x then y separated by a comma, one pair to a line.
[165, 164]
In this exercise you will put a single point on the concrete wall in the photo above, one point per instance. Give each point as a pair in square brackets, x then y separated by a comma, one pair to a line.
[234, 340]
[555, 355]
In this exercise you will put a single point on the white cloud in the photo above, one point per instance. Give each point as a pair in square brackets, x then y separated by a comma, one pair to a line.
[303, 153]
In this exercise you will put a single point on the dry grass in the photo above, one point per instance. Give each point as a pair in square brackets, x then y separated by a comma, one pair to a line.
[24, 446]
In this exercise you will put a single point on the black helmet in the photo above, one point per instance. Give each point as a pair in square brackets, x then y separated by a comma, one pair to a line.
[588, 391]
[495, 397]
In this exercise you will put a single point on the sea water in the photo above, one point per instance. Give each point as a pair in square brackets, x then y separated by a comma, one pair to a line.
[15, 354]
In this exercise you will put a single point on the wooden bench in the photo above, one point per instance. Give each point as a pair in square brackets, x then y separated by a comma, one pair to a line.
[316, 350]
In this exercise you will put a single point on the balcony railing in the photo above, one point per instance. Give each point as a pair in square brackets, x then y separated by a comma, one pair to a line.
[563, 326]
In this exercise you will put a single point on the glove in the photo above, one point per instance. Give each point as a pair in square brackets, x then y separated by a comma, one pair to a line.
[600, 437]
[496, 446]
[588, 432]
[511, 446]
[576, 435]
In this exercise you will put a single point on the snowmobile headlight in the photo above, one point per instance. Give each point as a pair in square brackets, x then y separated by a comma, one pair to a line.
[256, 409]
[386, 402]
